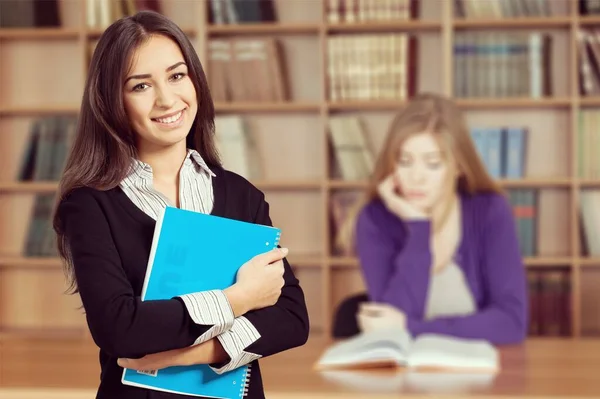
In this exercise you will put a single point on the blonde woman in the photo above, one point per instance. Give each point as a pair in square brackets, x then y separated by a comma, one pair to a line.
[436, 239]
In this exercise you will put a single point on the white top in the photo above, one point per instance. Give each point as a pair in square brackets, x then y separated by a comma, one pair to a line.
[449, 294]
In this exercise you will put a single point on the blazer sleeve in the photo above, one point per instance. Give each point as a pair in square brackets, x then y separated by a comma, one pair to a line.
[119, 322]
[395, 266]
[273, 329]
[504, 319]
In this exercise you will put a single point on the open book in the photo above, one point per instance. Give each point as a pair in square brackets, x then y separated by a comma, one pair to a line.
[393, 347]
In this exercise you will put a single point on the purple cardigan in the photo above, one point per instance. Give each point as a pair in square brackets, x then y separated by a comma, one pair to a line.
[396, 261]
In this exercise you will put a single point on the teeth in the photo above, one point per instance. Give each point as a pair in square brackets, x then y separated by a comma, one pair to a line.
[170, 119]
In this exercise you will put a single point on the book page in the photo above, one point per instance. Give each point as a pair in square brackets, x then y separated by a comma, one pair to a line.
[377, 348]
[446, 352]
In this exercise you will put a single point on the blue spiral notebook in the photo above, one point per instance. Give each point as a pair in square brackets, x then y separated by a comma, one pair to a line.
[194, 252]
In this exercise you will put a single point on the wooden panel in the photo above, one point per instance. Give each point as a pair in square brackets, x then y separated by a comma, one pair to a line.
[35, 300]
[345, 283]
[310, 281]
[294, 213]
[26, 83]
[286, 141]
[590, 301]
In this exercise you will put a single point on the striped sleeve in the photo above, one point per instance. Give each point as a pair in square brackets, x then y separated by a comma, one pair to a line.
[234, 341]
[209, 308]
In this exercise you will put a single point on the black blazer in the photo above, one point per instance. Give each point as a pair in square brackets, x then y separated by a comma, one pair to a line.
[110, 240]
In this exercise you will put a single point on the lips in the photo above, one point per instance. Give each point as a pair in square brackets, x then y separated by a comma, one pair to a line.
[169, 119]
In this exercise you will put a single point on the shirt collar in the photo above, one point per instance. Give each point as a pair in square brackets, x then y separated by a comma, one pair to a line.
[142, 170]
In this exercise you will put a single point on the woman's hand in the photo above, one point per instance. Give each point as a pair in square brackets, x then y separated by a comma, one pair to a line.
[377, 316]
[258, 282]
[155, 361]
[387, 190]
[207, 352]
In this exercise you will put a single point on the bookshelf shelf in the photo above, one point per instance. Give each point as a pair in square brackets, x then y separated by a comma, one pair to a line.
[517, 102]
[590, 262]
[384, 26]
[590, 101]
[28, 187]
[39, 33]
[288, 185]
[589, 183]
[347, 185]
[40, 110]
[589, 20]
[306, 261]
[267, 28]
[267, 107]
[375, 105]
[526, 182]
[15, 262]
[94, 33]
[510, 23]
[536, 183]
[352, 262]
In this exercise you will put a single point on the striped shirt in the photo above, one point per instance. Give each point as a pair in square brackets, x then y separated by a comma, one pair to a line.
[208, 307]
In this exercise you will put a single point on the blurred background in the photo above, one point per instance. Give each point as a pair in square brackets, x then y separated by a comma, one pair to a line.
[304, 93]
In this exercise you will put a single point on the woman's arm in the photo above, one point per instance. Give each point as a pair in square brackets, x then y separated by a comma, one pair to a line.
[504, 320]
[120, 322]
[269, 330]
[395, 265]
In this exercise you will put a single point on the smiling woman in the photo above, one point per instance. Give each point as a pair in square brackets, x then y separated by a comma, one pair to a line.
[144, 142]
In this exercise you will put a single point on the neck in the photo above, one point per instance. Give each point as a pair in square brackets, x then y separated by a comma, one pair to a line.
[165, 161]
[442, 212]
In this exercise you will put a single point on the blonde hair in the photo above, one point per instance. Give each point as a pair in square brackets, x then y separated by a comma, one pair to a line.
[439, 115]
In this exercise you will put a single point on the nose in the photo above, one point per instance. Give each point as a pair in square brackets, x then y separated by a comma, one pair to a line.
[416, 174]
[165, 97]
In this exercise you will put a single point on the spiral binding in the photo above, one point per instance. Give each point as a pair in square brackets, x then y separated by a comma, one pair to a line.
[277, 238]
[245, 382]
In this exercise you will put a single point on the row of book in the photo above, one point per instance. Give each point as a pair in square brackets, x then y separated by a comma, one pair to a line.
[503, 8]
[101, 13]
[48, 141]
[352, 11]
[502, 64]
[589, 7]
[371, 66]
[353, 158]
[525, 206]
[588, 52]
[41, 239]
[502, 149]
[221, 12]
[29, 13]
[588, 138]
[237, 146]
[549, 291]
[229, 61]
[589, 203]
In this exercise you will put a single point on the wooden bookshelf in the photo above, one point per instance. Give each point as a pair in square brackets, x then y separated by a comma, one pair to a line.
[294, 141]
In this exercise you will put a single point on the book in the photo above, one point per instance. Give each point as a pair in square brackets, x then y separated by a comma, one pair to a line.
[396, 348]
[193, 252]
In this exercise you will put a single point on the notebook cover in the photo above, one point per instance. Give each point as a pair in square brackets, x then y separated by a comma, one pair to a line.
[194, 252]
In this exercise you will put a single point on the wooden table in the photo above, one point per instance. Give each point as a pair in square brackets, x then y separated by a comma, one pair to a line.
[540, 368]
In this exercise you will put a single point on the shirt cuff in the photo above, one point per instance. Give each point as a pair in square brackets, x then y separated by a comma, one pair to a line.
[241, 335]
[209, 308]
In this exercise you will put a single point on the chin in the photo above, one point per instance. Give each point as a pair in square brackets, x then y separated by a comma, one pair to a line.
[421, 204]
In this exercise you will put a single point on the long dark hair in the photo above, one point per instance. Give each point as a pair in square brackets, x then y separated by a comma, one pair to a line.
[104, 145]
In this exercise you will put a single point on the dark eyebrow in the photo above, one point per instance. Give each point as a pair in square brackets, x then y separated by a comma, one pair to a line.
[147, 75]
